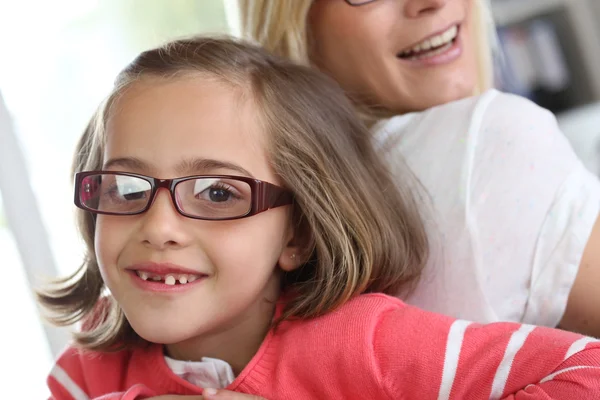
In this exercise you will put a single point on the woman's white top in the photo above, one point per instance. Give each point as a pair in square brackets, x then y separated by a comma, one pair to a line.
[509, 207]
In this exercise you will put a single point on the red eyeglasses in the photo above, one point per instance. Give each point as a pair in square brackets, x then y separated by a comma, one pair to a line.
[207, 197]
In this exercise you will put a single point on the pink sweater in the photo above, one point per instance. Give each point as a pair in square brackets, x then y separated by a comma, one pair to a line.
[373, 347]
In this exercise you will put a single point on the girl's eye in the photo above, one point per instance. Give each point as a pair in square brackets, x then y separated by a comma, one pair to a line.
[132, 193]
[125, 193]
[214, 197]
[218, 195]
[125, 188]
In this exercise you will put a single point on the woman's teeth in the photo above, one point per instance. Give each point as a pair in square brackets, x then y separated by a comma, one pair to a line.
[169, 279]
[432, 46]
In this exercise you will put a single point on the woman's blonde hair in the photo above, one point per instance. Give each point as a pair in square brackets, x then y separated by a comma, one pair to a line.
[281, 26]
[362, 228]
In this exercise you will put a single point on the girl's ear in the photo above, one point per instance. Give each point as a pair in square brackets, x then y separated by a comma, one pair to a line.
[289, 259]
[295, 253]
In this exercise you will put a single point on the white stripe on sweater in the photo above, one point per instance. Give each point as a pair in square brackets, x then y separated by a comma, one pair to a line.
[579, 345]
[453, 347]
[515, 344]
[70, 386]
[562, 371]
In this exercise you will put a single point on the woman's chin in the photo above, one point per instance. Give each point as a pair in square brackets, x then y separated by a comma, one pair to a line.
[429, 96]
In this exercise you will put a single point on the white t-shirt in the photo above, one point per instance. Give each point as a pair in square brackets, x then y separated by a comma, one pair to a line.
[208, 373]
[510, 207]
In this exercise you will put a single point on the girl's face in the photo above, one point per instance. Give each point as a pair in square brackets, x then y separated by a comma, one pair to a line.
[379, 50]
[176, 128]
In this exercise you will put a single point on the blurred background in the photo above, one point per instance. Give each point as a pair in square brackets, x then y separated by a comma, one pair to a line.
[58, 60]
[550, 53]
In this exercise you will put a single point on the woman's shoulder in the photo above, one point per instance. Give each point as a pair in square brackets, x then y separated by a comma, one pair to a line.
[513, 110]
[517, 124]
[491, 101]
[467, 115]
[471, 126]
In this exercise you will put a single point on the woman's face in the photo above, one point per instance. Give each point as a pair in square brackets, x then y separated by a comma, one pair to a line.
[404, 55]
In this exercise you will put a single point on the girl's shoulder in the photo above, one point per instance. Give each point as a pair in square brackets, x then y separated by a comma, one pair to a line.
[92, 373]
[360, 314]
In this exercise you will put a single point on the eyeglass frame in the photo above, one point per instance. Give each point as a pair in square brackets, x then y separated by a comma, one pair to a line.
[264, 195]
[349, 2]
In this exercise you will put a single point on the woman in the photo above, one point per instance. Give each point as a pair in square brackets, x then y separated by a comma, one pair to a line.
[514, 222]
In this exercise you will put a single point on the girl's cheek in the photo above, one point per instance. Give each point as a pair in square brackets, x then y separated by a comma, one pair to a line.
[110, 240]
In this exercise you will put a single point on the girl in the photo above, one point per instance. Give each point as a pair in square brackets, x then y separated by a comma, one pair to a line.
[514, 228]
[234, 209]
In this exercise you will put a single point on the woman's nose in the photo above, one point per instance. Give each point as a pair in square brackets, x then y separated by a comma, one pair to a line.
[417, 8]
[163, 226]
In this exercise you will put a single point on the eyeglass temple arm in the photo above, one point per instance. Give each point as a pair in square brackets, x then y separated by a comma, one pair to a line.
[270, 196]
[280, 198]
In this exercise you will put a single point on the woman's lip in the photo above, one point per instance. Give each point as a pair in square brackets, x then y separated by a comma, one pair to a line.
[163, 269]
[407, 48]
[448, 56]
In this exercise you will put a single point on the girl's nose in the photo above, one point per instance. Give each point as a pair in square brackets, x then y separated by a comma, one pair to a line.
[162, 226]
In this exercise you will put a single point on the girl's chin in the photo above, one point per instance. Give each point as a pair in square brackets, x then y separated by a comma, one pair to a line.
[164, 333]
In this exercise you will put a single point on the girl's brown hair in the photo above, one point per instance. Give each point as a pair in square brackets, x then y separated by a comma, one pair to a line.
[364, 231]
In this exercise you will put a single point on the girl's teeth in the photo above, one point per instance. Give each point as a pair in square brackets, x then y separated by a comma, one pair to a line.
[168, 279]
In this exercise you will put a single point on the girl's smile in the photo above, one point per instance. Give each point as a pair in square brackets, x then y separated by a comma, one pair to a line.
[164, 277]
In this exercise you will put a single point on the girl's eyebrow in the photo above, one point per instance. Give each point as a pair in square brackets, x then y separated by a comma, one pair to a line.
[203, 165]
[185, 167]
[126, 162]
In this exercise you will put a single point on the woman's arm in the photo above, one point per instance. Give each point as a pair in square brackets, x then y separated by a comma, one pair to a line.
[583, 307]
